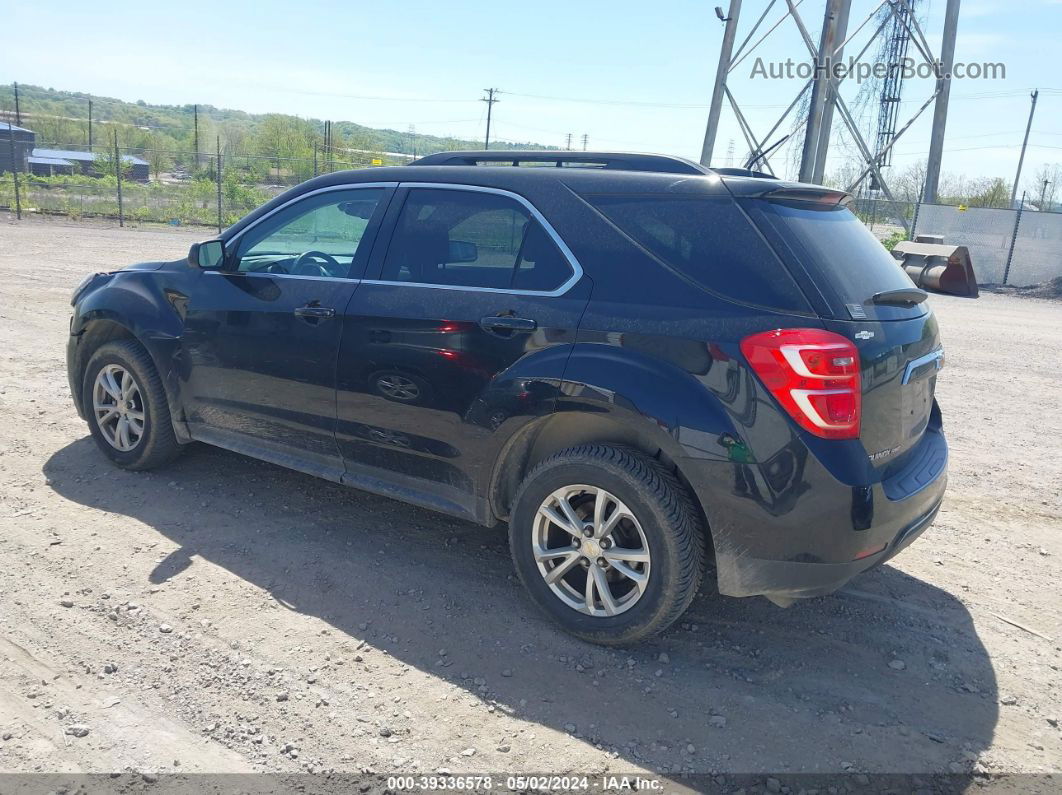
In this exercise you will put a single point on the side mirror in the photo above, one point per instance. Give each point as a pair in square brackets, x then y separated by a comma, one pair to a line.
[462, 251]
[359, 208]
[208, 255]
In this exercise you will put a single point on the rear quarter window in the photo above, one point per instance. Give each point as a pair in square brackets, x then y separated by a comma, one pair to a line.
[709, 240]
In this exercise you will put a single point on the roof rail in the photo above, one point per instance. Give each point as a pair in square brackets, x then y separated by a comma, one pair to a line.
[625, 161]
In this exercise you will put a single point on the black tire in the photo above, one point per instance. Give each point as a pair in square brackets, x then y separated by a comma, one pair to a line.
[157, 444]
[672, 527]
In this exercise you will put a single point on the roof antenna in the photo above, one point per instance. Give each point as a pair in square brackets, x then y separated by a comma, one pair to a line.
[755, 158]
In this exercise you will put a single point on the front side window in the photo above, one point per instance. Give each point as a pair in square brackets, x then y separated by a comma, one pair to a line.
[472, 239]
[318, 236]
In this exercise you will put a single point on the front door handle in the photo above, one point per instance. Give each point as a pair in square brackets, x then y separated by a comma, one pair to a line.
[507, 323]
[315, 311]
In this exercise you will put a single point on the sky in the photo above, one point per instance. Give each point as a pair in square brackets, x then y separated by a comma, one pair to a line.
[628, 75]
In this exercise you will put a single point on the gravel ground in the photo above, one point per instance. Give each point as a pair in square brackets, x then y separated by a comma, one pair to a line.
[226, 615]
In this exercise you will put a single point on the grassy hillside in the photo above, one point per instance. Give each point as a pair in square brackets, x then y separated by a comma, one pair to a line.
[60, 117]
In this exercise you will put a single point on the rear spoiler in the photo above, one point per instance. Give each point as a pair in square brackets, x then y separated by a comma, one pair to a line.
[758, 188]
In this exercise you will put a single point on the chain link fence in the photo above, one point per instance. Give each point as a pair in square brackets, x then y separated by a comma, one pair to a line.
[1017, 247]
[1013, 247]
[168, 187]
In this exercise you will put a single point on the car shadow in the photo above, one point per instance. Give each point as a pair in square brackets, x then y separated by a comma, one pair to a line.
[888, 675]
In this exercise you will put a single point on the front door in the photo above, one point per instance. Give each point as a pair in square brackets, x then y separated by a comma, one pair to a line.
[262, 334]
[460, 340]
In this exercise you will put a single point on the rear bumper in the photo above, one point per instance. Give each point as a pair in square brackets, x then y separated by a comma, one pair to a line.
[804, 533]
[783, 581]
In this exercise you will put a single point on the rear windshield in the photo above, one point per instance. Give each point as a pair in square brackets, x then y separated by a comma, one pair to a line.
[839, 254]
[711, 241]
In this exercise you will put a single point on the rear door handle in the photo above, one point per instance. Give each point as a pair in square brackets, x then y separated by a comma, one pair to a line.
[315, 311]
[508, 323]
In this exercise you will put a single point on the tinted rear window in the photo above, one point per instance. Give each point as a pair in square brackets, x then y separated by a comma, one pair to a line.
[840, 254]
[711, 241]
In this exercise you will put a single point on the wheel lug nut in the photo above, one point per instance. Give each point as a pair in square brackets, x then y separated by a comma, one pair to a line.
[605, 543]
[585, 563]
[588, 531]
[602, 562]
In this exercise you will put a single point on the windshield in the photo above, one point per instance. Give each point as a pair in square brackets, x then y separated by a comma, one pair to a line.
[840, 254]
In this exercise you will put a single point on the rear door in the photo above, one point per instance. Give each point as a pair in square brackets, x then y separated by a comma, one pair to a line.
[459, 340]
[859, 287]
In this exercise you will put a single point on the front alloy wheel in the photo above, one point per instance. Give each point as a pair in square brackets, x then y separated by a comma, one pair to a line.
[591, 550]
[126, 406]
[118, 407]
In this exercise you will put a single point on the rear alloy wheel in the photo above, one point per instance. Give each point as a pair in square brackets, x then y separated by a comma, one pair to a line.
[607, 542]
[591, 550]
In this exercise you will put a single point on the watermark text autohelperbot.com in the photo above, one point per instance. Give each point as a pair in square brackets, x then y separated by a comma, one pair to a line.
[861, 71]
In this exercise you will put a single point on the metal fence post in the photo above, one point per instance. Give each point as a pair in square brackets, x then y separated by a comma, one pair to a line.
[219, 182]
[1013, 239]
[14, 171]
[914, 221]
[118, 175]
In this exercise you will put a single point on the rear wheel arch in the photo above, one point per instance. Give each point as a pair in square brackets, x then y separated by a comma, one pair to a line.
[563, 430]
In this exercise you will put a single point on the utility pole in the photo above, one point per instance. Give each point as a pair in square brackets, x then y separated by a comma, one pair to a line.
[490, 100]
[218, 163]
[14, 171]
[413, 140]
[118, 176]
[18, 113]
[820, 89]
[90, 125]
[328, 148]
[568, 142]
[823, 145]
[195, 111]
[1043, 193]
[940, 110]
[726, 50]
[1024, 143]
[586, 138]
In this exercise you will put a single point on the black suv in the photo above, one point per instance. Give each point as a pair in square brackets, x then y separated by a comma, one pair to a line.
[642, 365]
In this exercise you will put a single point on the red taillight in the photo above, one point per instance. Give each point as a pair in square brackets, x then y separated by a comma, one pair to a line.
[814, 374]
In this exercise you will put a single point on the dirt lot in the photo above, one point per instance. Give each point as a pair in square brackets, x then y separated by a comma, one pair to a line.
[227, 615]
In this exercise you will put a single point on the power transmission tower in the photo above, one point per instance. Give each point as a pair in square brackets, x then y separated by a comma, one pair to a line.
[490, 99]
[568, 142]
[824, 87]
[940, 110]
[893, 52]
[834, 26]
[730, 153]
[1024, 143]
[719, 90]
[586, 139]
[413, 139]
